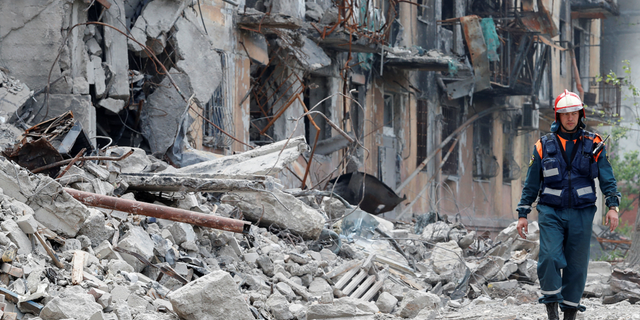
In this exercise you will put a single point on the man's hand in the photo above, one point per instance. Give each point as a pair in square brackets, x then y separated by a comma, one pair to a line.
[523, 226]
[611, 220]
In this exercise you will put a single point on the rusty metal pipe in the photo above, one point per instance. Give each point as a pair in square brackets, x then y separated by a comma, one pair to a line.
[161, 212]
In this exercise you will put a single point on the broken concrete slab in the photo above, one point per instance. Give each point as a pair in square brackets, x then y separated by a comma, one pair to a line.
[17, 236]
[447, 256]
[253, 19]
[346, 308]
[292, 8]
[279, 209]
[96, 228]
[436, 232]
[266, 160]
[157, 18]
[28, 224]
[137, 241]
[34, 31]
[198, 59]
[99, 77]
[487, 270]
[72, 303]
[415, 301]
[256, 47]
[529, 268]
[156, 127]
[311, 56]
[599, 272]
[182, 232]
[113, 105]
[115, 51]
[278, 306]
[214, 296]
[53, 207]
[313, 11]
[13, 94]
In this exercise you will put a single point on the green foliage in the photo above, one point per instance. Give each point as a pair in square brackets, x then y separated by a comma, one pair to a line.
[625, 229]
[614, 255]
[626, 168]
[625, 81]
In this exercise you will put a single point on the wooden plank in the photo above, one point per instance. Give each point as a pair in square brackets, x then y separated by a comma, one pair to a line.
[77, 273]
[49, 251]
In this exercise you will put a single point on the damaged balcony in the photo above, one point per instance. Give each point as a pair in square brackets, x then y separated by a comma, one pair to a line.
[594, 8]
[508, 49]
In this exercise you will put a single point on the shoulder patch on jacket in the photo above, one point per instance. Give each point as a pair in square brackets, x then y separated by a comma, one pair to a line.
[531, 162]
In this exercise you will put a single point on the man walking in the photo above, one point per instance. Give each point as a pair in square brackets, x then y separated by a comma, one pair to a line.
[562, 170]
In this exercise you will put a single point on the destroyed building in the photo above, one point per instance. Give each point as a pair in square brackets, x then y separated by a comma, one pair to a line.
[420, 112]
[374, 86]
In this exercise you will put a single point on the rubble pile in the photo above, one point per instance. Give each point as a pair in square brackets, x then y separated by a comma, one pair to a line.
[63, 259]
[101, 231]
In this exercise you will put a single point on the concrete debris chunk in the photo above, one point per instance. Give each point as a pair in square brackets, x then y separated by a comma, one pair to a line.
[113, 105]
[157, 18]
[13, 94]
[96, 228]
[198, 58]
[278, 306]
[137, 241]
[115, 49]
[280, 209]
[159, 129]
[386, 302]
[17, 236]
[415, 301]
[214, 296]
[52, 206]
[182, 232]
[436, 232]
[343, 308]
[72, 303]
[447, 256]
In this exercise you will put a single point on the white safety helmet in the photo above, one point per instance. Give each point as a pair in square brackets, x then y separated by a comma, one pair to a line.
[569, 102]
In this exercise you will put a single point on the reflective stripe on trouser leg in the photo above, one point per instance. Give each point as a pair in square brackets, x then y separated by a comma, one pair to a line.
[551, 258]
[578, 224]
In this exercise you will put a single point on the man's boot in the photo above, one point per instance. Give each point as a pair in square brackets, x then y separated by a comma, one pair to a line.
[570, 314]
[552, 311]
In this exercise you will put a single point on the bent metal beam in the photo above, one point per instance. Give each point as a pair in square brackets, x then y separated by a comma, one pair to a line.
[161, 212]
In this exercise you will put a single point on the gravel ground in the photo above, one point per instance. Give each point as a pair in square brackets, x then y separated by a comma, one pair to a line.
[505, 309]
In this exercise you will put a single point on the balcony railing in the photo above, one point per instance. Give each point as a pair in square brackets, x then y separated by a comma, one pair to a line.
[604, 97]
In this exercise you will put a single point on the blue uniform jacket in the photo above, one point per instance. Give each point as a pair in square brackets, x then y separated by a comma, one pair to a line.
[533, 181]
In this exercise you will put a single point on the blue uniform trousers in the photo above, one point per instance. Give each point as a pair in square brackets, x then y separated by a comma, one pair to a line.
[564, 254]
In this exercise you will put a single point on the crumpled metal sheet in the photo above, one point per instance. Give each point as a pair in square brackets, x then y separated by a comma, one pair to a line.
[538, 21]
[478, 49]
[378, 197]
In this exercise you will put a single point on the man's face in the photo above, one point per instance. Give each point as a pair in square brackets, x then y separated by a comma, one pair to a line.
[569, 121]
